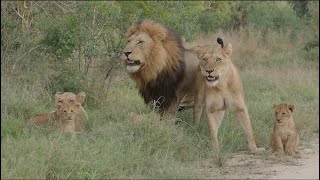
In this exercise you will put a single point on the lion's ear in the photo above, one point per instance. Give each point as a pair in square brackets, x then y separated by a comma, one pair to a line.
[227, 49]
[58, 94]
[81, 97]
[291, 107]
[159, 33]
[274, 106]
[77, 105]
[199, 50]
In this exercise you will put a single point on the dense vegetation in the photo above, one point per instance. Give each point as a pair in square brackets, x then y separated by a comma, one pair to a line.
[75, 46]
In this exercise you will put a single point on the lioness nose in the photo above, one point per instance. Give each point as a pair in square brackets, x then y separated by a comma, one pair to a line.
[209, 71]
[127, 53]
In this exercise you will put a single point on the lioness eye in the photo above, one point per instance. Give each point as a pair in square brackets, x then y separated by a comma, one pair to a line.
[60, 101]
[139, 42]
[204, 59]
[218, 59]
[283, 113]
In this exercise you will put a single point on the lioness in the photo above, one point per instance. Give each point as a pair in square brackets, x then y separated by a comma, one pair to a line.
[50, 118]
[284, 135]
[161, 67]
[219, 86]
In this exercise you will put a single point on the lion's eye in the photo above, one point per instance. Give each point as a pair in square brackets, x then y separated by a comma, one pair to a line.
[140, 42]
[128, 41]
[60, 101]
[204, 59]
[71, 110]
[283, 113]
[218, 59]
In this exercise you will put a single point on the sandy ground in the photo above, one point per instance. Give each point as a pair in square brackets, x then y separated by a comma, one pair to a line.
[244, 165]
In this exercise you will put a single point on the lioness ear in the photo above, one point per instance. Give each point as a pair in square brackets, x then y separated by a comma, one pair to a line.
[274, 106]
[199, 50]
[227, 49]
[77, 105]
[58, 94]
[81, 97]
[291, 107]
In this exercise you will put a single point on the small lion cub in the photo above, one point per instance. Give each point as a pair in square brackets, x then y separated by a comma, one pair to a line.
[284, 136]
[68, 118]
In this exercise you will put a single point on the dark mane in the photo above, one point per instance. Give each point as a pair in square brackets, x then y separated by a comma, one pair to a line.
[163, 89]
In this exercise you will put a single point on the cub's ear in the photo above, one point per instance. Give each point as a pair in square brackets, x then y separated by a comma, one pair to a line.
[227, 49]
[81, 96]
[291, 107]
[274, 106]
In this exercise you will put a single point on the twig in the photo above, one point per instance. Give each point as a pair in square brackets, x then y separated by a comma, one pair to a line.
[18, 59]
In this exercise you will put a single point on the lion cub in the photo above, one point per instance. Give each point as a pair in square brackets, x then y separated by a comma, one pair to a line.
[219, 87]
[71, 120]
[284, 135]
[61, 99]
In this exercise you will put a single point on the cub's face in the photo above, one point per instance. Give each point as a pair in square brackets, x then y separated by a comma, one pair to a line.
[137, 51]
[283, 112]
[214, 63]
[69, 111]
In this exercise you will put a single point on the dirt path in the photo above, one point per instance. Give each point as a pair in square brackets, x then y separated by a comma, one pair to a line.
[243, 165]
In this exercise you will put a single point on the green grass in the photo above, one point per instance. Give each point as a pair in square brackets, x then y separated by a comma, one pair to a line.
[121, 146]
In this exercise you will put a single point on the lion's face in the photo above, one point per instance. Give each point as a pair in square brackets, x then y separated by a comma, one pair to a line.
[68, 98]
[137, 51]
[214, 63]
[283, 113]
[69, 111]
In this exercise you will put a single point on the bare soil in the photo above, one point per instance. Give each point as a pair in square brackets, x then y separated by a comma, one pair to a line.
[243, 165]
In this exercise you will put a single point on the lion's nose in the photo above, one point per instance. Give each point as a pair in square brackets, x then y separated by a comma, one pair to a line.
[209, 71]
[127, 53]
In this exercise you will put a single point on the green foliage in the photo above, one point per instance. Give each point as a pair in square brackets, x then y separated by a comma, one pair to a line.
[273, 16]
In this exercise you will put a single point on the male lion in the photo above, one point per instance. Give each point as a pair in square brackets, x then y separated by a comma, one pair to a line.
[73, 118]
[219, 86]
[284, 136]
[159, 64]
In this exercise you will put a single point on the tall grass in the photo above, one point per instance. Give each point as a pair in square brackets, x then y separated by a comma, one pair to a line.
[127, 140]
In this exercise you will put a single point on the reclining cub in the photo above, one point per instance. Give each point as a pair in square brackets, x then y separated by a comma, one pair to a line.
[219, 87]
[61, 99]
[284, 136]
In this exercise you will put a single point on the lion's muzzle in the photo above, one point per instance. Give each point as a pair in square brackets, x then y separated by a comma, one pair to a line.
[133, 62]
[212, 78]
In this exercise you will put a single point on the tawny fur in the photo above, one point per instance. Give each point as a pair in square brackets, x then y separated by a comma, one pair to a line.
[284, 137]
[219, 87]
[161, 65]
[73, 118]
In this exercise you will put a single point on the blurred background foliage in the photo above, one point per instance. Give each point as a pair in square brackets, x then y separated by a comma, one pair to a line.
[74, 45]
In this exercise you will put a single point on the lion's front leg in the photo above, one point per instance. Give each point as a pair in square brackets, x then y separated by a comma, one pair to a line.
[243, 118]
[276, 144]
[214, 120]
[199, 98]
[290, 145]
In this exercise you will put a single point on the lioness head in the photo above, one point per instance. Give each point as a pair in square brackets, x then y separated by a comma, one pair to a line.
[69, 98]
[214, 62]
[69, 111]
[283, 112]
